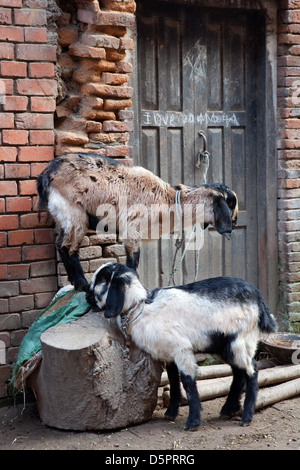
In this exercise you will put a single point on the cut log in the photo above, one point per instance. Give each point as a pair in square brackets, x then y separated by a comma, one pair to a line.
[269, 396]
[91, 378]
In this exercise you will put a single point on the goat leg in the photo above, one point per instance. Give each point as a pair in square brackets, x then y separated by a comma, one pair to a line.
[232, 405]
[250, 397]
[132, 257]
[74, 269]
[191, 390]
[175, 393]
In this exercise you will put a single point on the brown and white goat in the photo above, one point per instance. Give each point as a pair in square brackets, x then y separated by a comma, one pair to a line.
[73, 187]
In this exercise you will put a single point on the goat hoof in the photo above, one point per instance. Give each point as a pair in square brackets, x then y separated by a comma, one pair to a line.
[191, 428]
[169, 418]
[82, 287]
[245, 423]
[230, 414]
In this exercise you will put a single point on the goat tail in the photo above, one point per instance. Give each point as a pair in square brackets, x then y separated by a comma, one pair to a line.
[266, 321]
[42, 184]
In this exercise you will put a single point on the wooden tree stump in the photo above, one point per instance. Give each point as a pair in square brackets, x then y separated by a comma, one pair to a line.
[91, 378]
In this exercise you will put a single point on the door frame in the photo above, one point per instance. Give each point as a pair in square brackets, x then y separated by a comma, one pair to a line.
[266, 139]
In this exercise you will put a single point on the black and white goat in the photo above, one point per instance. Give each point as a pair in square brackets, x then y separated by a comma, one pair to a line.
[220, 315]
[72, 188]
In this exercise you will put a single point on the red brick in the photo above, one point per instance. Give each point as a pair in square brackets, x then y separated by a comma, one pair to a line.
[37, 168]
[17, 170]
[123, 67]
[36, 87]
[15, 103]
[11, 3]
[67, 36]
[34, 121]
[2, 205]
[3, 241]
[32, 286]
[44, 235]
[5, 16]
[43, 268]
[43, 104]
[119, 151]
[41, 70]
[36, 52]
[114, 78]
[32, 220]
[7, 51]
[36, 35]
[117, 126]
[3, 302]
[21, 303]
[6, 86]
[17, 337]
[290, 16]
[18, 204]
[107, 90]
[11, 33]
[42, 300]
[13, 69]
[20, 237]
[8, 188]
[117, 104]
[35, 154]
[30, 17]
[8, 154]
[27, 187]
[39, 252]
[9, 288]
[8, 222]
[10, 255]
[18, 271]
[7, 121]
[15, 137]
[41, 137]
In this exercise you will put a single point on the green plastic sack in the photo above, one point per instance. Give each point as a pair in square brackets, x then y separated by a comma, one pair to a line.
[31, 344]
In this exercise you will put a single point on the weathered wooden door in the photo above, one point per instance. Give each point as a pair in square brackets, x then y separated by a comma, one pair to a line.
[197, 71]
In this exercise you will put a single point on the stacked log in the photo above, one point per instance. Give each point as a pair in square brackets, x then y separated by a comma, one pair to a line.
[276, 383]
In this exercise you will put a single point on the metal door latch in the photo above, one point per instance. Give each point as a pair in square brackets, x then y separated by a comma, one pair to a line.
[202, 159]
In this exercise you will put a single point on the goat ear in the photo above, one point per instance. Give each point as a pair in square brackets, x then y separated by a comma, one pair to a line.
[222, 215]
[115, 298]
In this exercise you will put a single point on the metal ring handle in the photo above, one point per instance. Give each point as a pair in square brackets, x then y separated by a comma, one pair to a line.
[201, 134]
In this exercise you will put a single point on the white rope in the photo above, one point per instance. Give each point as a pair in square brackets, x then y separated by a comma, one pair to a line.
[179, 243]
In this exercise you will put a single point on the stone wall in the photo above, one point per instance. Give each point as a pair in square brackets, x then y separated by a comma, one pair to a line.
[289, 161]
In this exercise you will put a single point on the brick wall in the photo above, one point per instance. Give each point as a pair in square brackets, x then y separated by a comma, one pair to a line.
[64, 86]
[93, 113]
[64, 72]
[27, 99]
[289, 161]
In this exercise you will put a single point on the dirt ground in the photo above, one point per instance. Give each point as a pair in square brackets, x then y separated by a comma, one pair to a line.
[274, 428]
